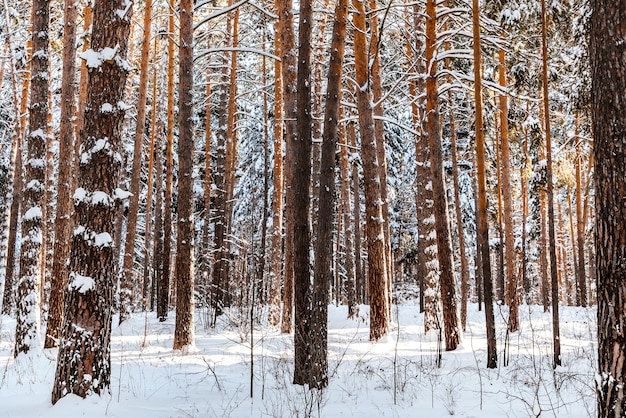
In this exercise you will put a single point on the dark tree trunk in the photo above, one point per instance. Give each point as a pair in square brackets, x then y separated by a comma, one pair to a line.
[550, 195]
[164, 284]
[482, 225]
[184, 331]
[608, 69]
[301, 146]
[84, 360]
[323, 251]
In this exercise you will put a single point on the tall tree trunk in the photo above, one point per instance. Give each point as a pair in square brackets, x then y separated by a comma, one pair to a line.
[8, 298]
[84, 360]
[483, 227]
[63, 221]
[580, 224]
[289, 64]
[204, 270]
[457, 207]
[511, 297]
[440, 204]
[164, 285]
[376, 259]
[157, 259]
[427, 263]
[323, 251]
[525, 172]
[127, 285]
[219, 201]
[276, 250]
[301, 184]
[550, 194]
[348, 225]
[31, 269]
[148, 250]
[184, 331]
[358, 262]
[379, 129]
[609, 124]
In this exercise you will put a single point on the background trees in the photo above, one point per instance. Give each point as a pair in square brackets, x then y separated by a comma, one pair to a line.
[429, 117]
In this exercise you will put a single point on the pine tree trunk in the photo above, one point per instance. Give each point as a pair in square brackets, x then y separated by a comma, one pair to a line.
[440, 204]
[31, 268]
[127, 285]
[8, 298]
[525, 172]
[204, 270]
[379, 129]
[288, 67]
[348, 226]
[427, 263]
[609, 124]
[482, 226]
[580, 225]
[301, 187]
[511, 296]
[84, 362]
[550, 195]
[376, 259]
[157, 259]
[148, 250]
[323, 251]
[276, 250]
[184, 331]
[358, 263]
[164, 284]
[63, 221]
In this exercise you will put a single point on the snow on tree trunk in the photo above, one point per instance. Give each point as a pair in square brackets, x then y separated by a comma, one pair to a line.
[377, 270]
[30, 278]
[84, 359]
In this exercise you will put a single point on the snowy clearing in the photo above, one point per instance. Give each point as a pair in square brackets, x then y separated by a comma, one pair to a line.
[391, 378]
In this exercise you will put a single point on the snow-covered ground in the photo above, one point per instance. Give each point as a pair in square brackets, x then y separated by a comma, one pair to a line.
[395, 377]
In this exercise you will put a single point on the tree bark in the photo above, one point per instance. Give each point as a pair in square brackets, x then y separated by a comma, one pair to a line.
[440, 204]
[483, 227]
[164, 284]
[276, 250]
[376, 260]
[184, 331]
[84, 360]
[288, 67]
[511, 296]
[301, 146]
[31, 266]
[550, 194]
[127, 285]
[63, 222]
[609, 125]
[580, 224]
[323, 251]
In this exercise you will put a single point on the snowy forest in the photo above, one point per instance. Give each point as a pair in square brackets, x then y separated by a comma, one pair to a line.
[312, 208]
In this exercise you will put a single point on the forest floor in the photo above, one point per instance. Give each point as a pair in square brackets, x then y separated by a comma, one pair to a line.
[397, 376]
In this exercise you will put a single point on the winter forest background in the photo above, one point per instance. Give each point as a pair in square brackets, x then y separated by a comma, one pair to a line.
[382, 208]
